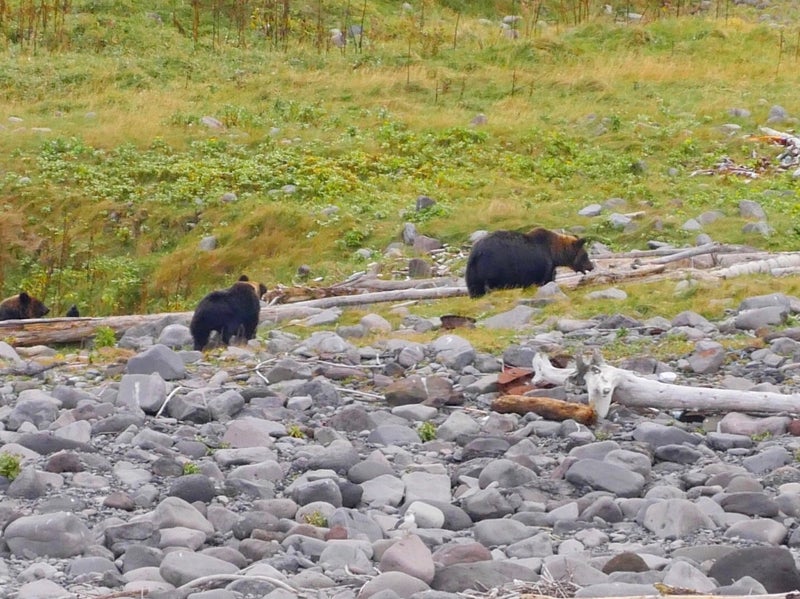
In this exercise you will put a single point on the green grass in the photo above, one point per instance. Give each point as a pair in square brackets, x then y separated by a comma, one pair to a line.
[109, 180]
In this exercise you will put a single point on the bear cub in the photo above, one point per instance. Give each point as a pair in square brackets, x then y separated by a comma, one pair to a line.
[22, 306]
[506, 259]
[229, 312]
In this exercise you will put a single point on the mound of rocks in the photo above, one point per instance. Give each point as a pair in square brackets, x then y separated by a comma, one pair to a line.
[315, 466]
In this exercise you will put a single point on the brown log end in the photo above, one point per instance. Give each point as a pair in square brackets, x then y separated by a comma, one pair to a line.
[546, 407]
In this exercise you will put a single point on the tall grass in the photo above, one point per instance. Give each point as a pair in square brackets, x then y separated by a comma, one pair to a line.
[581, 106]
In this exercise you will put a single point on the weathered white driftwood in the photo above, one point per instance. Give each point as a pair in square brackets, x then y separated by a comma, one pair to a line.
[605, 383]
[780, 263]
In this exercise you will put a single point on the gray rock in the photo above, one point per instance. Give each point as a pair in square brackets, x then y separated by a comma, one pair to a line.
[480, 575]
[385, 489]
[393, 434]
[42, 589]
[158, 359]
[773, 567]
[605, 476]
[175, 336]
[409, 233]
[419, 269]
[192, 488]
[684, 575]
[677, 453]
[738, 424]
[35, 407]
[760, 530]
[767, 460]
[322, 392]
[410, 556]
[324, 490]
[402, 584]
[707, 357]
[207, 243]
[142, 392]
[486, 503]
[29, 484]
[761, 317]
[777, 114]
[506, 474]
[591, 210]
[57, 535]
[656, 435]
[675, 518]
[453, 351]
[427, 486]
[751, 209]
[512, 319]
[495, 532]
[457, 425]
[616, 589]
[575, 569]
[180, 567]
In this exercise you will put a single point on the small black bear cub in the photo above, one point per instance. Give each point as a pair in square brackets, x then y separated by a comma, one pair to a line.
[232, 311]
[506, 259]
[73, 312]
[22, 306]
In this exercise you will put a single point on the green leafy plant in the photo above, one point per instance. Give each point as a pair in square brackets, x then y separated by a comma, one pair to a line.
[104, 337]
[191, 468]
[762, 436]
[294, 430]
[316, 518]
[427, 431]
[10, 465]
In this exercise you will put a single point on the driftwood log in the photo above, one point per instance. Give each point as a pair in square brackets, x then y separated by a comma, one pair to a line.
[605, 383]
[546, 407]
[44, 331]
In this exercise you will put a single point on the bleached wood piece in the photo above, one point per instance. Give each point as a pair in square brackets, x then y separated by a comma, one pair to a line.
[605, 383]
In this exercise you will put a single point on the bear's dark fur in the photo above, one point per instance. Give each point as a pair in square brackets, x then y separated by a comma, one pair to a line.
[73, 312]
[232, 311]
[505, 259]
[22, 306]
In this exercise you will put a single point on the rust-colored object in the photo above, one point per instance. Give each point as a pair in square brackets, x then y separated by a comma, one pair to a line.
[515, 381]
[454, 321]
[546, 407]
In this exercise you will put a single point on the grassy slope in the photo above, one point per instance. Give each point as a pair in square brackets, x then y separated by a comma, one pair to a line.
[110, 180]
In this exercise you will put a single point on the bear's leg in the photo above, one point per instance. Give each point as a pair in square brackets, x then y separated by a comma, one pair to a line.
[475, 277]
[200, 338]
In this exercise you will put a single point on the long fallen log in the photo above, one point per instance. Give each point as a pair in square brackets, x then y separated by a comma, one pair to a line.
[44, 331]
[605, 383]
[546, 407]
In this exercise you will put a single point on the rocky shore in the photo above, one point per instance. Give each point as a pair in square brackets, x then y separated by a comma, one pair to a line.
[321, 467]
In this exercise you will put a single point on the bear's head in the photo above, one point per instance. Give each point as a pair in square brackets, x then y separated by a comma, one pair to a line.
[580, 258]
[30, 307]
[259, 288]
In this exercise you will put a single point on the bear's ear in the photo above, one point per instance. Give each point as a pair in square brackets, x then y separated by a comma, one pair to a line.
[580, 242]
[243, 278]
[24, 298]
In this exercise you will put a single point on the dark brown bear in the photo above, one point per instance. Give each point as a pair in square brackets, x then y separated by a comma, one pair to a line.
[232, 311]
[22, 306]
[506, 259]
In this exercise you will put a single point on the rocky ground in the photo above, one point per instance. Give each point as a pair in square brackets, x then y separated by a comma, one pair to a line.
[297, 467]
